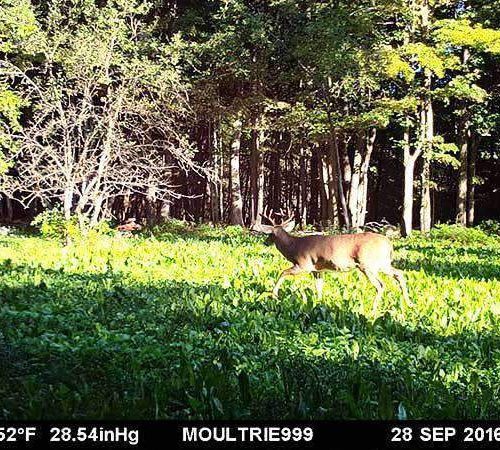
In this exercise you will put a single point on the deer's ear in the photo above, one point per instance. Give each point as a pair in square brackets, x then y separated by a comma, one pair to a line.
[289, 226]
[266, 229]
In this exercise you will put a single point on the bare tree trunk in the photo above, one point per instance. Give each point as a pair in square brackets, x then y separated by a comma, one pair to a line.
[9, 208]
[104, 160]
[463, 146]
[345, 164]
[462, 190]
[236, 212]
[471, 181]
[427, 136]
[257, 175]
[165, 210]
[354, 191]
[338, 182]
[276, 176]
[425, 205]
[363, 189]
[220, 183]
[326, 201]
[358, 192]
[409, 160]
[203, 154]
[210, 196]
[151, 205]
[215, 185]
[315, 186]
[67, 206]
[425, 209]
[126, 205]
[303, 187]
[426, 131]
[97, 207]
[68, 200]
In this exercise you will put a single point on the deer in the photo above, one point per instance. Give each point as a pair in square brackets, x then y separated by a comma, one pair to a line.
[370, 252]
[129, 226]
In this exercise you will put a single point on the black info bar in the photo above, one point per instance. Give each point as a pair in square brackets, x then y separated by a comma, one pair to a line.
[326, 434]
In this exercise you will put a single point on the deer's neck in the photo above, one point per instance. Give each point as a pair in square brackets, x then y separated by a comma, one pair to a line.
[284, 243]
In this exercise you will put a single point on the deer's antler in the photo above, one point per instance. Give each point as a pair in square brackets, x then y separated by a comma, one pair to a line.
[267, 214]
[288, 214]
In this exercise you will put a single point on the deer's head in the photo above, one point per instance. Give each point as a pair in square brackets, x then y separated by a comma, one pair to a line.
[276, 229]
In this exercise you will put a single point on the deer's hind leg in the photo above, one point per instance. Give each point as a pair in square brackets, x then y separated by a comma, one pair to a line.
[292, 271]
[399, 277]
[377, 283]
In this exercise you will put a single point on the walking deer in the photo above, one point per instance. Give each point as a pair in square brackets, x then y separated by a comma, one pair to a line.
[369, 252]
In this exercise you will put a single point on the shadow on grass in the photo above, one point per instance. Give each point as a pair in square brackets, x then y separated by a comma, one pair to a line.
[94, 346]
[434, 261]
[477, 270]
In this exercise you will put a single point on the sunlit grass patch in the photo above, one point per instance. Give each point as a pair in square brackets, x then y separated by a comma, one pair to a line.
[181, 323]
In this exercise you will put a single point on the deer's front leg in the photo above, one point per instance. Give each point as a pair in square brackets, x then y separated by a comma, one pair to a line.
[295, 270]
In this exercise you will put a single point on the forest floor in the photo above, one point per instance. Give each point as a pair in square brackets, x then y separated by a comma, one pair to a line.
[180, 324]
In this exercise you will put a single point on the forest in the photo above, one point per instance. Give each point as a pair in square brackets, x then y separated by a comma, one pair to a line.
[141, 142]
[207, 111]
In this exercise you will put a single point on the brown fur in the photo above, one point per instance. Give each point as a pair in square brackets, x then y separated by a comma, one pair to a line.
[369, 252]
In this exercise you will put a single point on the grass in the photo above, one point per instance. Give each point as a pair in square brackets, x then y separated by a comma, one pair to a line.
[181, 325]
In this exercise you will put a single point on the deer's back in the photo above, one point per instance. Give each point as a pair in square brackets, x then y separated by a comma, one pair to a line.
[343, 252]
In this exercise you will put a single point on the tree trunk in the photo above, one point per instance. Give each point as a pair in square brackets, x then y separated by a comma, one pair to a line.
[215, 184]
[462, 190]
[363, 189]
[203, 154]
[256, 175]
[408, 164]
[67, 206]
[126, 205]
[275, 176]
[358, 191]
[338, 182]
[165, 210]
[409, 160]
[68, 200]
[426, 130]
[151, 205]
[354, 191]
[326, 201]
[425, 205]
[408, 198]
[314, 215]
[9, 209]
[104, 160]
[427, 136]
[303, 187]
[463, 146]
[471, 181]
[345, 164]
[236, 211]
[97, 207]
